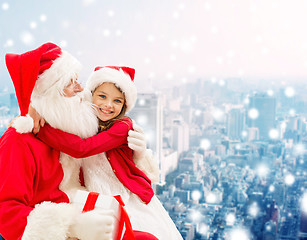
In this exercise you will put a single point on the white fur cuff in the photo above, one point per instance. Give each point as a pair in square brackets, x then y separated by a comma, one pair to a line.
[50, 221]
[23, 124]
[149, 166]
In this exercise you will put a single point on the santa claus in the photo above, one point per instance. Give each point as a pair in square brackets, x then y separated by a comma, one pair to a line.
[38, 181]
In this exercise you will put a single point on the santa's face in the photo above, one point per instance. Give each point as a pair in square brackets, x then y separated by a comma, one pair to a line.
[72, 114]
[108, 100]
[72, 88]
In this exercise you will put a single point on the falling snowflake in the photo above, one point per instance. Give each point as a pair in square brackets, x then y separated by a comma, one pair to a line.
[205, 144]
[151, 38]
[181, 6]
[175, 15]
[191, 69]
[230, 219]
[246, 101]
[203, 229]
[106, 32]
[151, 75]
[299, 149]
[289, 92]
[27, 38]
[244, 134]
[271, 188]
[142, 119]
[239, 233]
[110, 13]
[197, 112]
[141, 102]
[253, 113]
[273, 134]
[33, 25]
[289, 179]
[5, 6]
[169, 75]
[262, 170]
[87, 2]
[63, 43]
[118, 32]
[9, 43]
[214, 29]
[196, 195]
[211, 198]
[172, 57]
[253, 210]
[195, 216]
[222, 82]
[213, 80]
[292, 112]
[270, 92]
[217, 114]
[43, 18]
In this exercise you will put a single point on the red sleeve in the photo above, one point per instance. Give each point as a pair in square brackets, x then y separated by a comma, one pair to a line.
[17, 172]
[77, 147]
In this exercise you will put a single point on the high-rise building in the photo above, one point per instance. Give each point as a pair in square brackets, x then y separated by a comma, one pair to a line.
[180, 136]
[235, 123]
[148, 114]
[261, 114]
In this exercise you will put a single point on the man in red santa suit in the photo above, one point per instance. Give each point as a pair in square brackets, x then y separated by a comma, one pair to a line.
[37, 182]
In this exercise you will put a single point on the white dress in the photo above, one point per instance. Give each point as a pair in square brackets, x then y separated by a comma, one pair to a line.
[153, 218]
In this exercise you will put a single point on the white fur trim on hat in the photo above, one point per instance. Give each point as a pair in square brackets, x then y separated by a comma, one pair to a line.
[59, 75]
[23, 124]
[119, 78]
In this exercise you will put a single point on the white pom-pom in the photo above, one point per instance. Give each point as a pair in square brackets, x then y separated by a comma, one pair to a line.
[23, 124]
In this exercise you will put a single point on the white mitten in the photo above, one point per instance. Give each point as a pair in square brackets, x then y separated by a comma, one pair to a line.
[137, 141]
[93, 225]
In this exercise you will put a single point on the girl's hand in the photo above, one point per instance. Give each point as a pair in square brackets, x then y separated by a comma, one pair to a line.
[37, 119]
[137, 141]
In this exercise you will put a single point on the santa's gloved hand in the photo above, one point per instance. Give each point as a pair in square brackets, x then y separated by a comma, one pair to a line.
[137, 141]
[93, 225]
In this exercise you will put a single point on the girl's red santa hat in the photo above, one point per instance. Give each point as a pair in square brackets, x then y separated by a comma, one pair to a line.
[35, 72]
[122, 77]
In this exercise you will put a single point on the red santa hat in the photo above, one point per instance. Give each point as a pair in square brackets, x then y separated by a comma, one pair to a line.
[122, 77]
[33, 73]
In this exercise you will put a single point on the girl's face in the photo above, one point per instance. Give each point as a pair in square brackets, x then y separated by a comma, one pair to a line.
[108, 100]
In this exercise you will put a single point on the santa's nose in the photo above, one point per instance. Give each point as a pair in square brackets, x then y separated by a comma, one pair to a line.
[78, 87]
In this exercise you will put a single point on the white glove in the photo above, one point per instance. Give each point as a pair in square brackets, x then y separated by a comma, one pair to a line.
[137, 141]
[93, 225]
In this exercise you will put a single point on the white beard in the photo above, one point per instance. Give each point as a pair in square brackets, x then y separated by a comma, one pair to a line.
[70, 114]
[74, 115]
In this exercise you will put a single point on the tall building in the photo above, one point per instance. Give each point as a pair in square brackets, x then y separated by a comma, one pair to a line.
[235, 123]
[180, 136]
[148, 113]
[261, 114]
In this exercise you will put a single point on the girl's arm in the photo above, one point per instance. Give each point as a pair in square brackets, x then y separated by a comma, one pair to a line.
[77, 147]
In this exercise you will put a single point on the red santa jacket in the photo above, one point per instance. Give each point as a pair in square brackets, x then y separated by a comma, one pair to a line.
[112, 141]
[30, 174]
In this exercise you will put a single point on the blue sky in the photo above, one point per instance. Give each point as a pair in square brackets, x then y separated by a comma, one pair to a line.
[166, 41]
